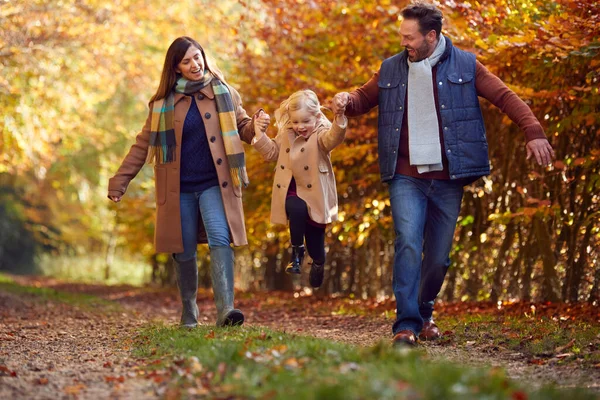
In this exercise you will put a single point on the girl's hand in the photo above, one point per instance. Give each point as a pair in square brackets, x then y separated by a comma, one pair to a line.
[261, 122]
[116, 199]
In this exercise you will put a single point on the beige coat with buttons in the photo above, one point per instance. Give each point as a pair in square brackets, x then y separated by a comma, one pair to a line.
[309, 162]
[167, 232]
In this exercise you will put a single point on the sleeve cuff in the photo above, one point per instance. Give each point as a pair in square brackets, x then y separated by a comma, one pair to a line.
[344, 121]
[534, 132]
[260, 143]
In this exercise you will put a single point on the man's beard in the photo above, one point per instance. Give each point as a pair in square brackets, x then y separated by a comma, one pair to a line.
[421, 53]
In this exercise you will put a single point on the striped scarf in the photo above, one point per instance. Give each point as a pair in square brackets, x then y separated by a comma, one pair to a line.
[162, 135]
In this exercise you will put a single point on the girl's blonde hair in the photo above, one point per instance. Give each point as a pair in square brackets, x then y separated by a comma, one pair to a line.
[300, 99]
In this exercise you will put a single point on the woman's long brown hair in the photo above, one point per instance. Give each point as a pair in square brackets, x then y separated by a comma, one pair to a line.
[175, 54]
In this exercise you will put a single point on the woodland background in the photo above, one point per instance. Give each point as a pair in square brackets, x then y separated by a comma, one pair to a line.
[76, 76]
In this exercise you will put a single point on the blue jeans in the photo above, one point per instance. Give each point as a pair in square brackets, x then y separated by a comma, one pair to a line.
[210, 205]
[425, 212]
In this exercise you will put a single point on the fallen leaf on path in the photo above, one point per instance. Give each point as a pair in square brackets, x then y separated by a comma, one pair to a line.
[560, 349]
[350, 366]
[291, 363]
[42, 381]
[119, 379]
[519, 396]
[537, 361]
[74, 389]
[222, 370]
[4, 371]
[565, 355]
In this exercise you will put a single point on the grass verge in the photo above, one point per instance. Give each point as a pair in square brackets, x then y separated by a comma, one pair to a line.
[250, 363]
[42, 294]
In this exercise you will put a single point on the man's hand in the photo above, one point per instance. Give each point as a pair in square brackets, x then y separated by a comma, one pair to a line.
[261, 122]
[541, 150]
[340, 102]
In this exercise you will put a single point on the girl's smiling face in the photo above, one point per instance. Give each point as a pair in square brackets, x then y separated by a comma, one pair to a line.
[303, 122]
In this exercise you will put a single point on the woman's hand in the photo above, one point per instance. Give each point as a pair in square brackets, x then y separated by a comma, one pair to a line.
[116, 199]
[261, 123]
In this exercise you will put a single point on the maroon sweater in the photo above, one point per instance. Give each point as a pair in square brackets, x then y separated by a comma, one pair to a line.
[488, 86]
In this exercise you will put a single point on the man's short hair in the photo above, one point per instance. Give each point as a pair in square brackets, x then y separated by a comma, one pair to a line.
[428, 16]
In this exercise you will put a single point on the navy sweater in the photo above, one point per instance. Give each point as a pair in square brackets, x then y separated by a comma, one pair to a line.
[198, 171]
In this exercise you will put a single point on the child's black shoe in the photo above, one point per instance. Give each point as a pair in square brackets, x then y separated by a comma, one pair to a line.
[316, 275]
[296, 260]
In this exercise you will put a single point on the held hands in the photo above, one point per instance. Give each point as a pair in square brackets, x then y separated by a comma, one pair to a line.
[339, 103]
[261, 123]
[541, 150]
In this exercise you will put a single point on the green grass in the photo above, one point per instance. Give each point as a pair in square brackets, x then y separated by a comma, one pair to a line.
[84, 301]
[260, 363]
[534, 337]
[90, 268]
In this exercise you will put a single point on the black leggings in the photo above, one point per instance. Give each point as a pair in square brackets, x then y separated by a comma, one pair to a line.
[301, 229]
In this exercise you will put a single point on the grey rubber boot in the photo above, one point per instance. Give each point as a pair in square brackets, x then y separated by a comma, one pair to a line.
[221, 273]
[187, 281]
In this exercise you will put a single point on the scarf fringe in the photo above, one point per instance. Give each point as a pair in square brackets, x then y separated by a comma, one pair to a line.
[239, 176]
[158, 155]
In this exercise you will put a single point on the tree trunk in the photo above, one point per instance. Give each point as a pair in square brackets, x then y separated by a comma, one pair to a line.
[509, 236]
[529, 261]
[579, 266]
[544, 245]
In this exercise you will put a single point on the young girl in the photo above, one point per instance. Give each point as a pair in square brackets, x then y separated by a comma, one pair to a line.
[304, 189]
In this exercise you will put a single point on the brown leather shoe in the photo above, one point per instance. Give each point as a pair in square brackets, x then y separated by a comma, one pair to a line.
[430, 331]
[405, 337]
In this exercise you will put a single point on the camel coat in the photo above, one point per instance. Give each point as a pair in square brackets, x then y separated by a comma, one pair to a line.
[309, 162]
[167, 233]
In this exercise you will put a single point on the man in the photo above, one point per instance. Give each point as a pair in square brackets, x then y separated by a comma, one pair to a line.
[431, 142]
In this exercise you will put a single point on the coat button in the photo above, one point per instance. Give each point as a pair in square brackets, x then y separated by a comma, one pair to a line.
[309, 186]
[212, 139]
[207, 115]
[287, 150]
[279, 186]
[200, 96]
[302, 149]
[282, 167]
[224, 184]
[219, 161]
[306, 167]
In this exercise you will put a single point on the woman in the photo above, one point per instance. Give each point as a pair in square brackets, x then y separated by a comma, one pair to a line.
[192, 135]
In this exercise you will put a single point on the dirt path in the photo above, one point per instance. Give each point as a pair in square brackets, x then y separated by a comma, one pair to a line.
[59, 351]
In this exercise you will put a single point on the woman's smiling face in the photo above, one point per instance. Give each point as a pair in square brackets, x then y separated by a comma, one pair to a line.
[192, 65]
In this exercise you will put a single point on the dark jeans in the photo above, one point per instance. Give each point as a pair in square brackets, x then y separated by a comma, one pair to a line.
[425, 212]
[301, 229]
